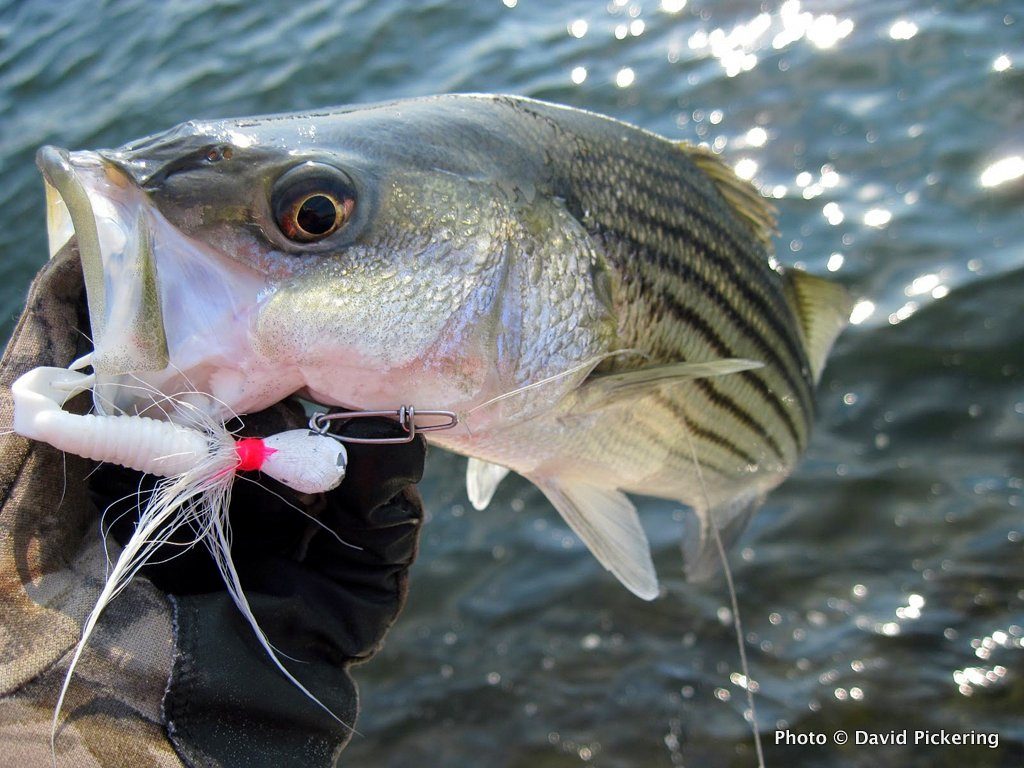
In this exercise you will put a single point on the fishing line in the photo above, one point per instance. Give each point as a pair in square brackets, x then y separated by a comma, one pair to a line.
[589, 364]
[323, 526]
[736, 621]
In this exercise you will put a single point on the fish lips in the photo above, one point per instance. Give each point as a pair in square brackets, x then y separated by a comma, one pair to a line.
[91, 199]
[167, 315]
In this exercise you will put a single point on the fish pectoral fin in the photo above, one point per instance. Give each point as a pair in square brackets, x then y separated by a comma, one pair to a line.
[823, 310]
[482, 479]
[605, 389]
[701, 558]
[607, 523]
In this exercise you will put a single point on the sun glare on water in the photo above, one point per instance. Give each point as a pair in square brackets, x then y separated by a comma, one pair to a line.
[1002, 171]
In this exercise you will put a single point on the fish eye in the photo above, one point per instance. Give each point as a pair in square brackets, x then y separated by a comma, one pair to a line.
[312, 201]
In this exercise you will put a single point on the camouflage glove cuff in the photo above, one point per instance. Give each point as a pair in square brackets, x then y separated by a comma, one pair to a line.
[51, 573]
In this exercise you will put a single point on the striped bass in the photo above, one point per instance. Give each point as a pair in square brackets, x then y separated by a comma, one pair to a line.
[600, 305]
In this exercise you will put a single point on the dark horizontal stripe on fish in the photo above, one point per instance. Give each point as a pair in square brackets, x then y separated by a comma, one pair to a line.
[746, 260]
[684, 455]
[754, 262]
[726, 403]
[790, 365]
[686, 193]
[689, 316]
[709, 435]
[679, 188]
[776, 313]
[694, 321]
[669, 261]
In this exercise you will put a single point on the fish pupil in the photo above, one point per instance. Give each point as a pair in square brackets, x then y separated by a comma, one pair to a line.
[317, 215]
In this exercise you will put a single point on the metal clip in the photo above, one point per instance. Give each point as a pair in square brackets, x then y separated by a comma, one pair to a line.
[405, 416]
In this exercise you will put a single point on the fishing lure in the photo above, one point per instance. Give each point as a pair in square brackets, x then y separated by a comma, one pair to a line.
[199, 460]
[301, 459]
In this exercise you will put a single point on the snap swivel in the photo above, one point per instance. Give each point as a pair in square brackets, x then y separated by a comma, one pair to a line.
[406, 416]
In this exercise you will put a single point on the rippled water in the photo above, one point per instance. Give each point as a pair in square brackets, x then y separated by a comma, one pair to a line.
[882, 586]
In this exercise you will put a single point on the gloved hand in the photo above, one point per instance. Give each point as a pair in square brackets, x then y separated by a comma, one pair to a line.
[173, 674]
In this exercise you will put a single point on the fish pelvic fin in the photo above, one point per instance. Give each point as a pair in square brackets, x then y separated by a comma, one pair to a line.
[822, 308]
[608, 524]
[742, 196]
[482, 479]
[701, 558]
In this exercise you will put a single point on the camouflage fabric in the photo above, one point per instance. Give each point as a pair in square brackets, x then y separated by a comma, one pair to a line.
[51, 571]
[172, 675]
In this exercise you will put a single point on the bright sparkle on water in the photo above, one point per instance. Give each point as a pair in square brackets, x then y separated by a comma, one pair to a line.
[862, 310]
[1002, 63]
[1002, 171]
[737, 49]
[579, 74]
[902, 30]
[829, 177]
[578, 28]
[877, 217]
[834, 215]
[970, 678]
[823, 31]
[756, 137]
[912, 610]
[746, 168]
[922, 284]
[672, 6]
[743, 682]
[625, 77]
[903, 313]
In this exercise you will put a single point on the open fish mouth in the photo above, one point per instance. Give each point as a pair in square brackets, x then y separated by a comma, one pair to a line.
[91, 199]
[166, 314]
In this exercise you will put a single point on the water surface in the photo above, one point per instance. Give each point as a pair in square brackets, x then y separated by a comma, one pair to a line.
[882, 586]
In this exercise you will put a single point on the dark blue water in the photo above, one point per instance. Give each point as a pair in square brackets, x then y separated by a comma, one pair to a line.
[882, 586]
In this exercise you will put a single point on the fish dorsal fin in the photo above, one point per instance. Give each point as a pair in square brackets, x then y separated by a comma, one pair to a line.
[701, 557]
[482, 480]
[823, 310]
[741, 195]
[608, 524]
[605, 389]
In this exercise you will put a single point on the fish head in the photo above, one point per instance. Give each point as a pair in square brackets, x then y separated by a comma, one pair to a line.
[367, 258]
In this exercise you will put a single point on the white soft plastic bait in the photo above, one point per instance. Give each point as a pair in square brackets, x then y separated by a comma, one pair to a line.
[301, 459]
